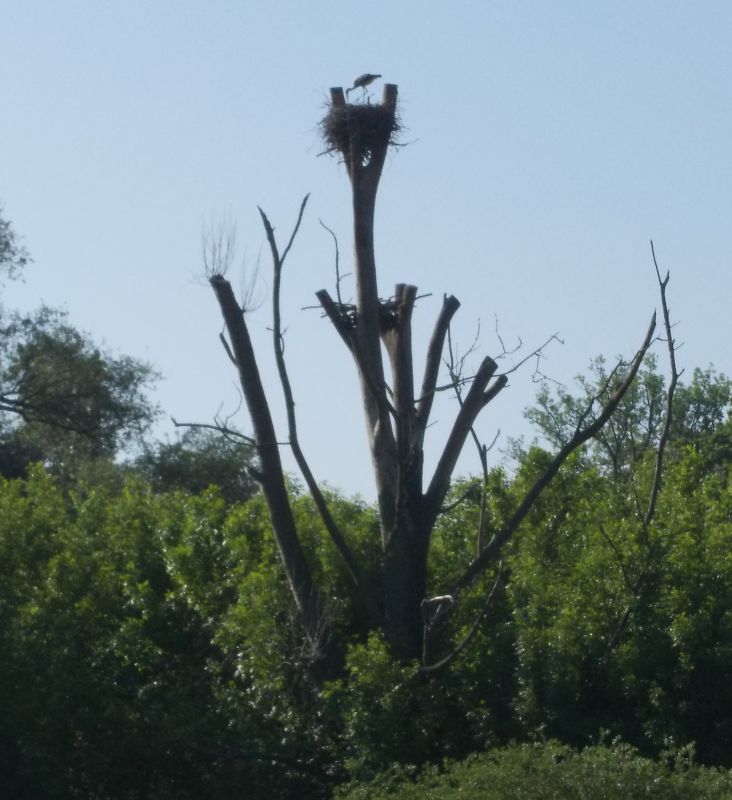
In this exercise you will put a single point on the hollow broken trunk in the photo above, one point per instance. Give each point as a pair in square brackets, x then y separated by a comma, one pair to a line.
[396, 419]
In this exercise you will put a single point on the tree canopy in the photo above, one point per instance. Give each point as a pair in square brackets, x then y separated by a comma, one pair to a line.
[149, 643]
[61, 396]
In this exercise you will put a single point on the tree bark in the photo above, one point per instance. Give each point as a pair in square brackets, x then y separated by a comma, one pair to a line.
[321, 648]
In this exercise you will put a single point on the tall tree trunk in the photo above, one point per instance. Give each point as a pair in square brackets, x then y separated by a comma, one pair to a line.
[405, 577]
[390, 417]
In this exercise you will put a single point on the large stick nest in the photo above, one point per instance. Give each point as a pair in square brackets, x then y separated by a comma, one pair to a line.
[388, 316]
[372, 127]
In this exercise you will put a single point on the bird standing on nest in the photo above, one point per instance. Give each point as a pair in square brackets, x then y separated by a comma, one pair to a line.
[362, 82]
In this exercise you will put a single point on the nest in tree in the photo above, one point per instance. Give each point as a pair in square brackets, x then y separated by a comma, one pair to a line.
[372, 127]
[348, 314]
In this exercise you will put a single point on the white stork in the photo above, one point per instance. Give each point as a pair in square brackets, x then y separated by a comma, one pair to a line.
[362, 82]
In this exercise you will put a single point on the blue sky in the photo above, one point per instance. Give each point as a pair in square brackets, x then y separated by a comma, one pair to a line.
[548, 142]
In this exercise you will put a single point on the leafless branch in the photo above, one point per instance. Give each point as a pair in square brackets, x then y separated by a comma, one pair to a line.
[227, 349]
[500, 339]
[450, 305]
[468, 494]
[339, 277]
[278, 342]
[476, 398]
[646, 519]
[454, 372]
[229, 433]
[665, 433]
[482, 561]
[618, 555]
[271, 474]
[537, 353]
[218, 244]
[345, 330]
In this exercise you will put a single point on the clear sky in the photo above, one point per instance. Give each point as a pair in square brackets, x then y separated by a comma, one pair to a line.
[548, 142]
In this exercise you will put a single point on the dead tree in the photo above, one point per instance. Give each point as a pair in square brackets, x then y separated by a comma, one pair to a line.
[396, 415]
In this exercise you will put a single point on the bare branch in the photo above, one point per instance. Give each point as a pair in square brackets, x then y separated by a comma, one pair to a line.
[398, 342]
[337, 537]
[345, 328]
[646, 519]
[271, 474]
[469, 494]
[339, 277]
[476, 399]
[341, 323]
[618, 555]
[482, 561]
[229, 433]
[536, 353]
[665, 433]
[482, 449]
[225, 344]
[295, 229]
[218, 244]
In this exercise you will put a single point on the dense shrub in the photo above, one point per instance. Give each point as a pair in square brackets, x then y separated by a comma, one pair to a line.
[552, 771]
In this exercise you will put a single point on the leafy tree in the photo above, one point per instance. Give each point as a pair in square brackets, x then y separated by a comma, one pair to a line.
[140, 656]
[198, 459]
[56, 379]
[13, 256]
[699, 411]
[602, 595]
[550, 770]
[149, 643]
[62, 399]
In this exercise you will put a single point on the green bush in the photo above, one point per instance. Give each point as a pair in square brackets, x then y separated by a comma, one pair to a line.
[551, 771]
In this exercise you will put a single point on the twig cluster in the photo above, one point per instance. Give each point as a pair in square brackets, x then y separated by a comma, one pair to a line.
[371, 123]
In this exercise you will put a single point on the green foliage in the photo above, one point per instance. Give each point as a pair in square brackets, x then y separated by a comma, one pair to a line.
[197, 460]
[138, 656]
[600, 603]
[13, 256]
[148, 644]
[379, 704]
[71, 398]
[551, 771]
[63, 401]
[699, 411]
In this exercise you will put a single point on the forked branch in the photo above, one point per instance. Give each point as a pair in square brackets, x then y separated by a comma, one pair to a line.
[675, 375]
[646, 520]
[278, 342]
[581, 435]
[477, 397]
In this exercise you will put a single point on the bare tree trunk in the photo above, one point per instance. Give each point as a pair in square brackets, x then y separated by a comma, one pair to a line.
[396, 449]
[405, 579]
[396, 420]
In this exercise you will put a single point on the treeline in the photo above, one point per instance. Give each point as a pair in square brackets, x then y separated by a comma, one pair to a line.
[149, 647]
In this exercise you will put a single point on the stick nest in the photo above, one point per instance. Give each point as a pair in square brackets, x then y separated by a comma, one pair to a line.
[373, 127]
[388, 314]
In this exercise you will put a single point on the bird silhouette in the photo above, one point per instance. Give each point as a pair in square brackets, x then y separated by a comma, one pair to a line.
[362, 82]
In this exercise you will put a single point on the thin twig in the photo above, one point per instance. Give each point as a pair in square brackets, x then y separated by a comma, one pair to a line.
[222, 429]
[339, 277]
[481, 562]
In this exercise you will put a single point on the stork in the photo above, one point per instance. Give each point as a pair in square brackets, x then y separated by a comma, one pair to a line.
[362, 82]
